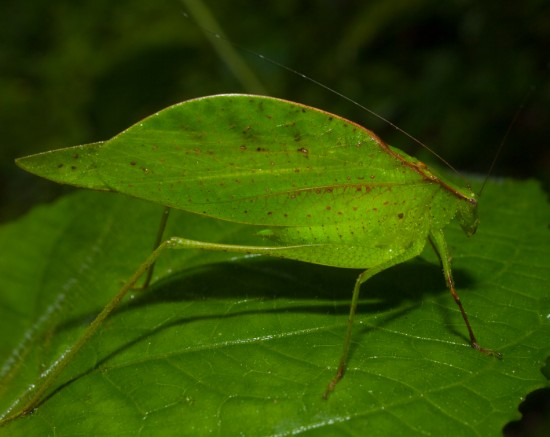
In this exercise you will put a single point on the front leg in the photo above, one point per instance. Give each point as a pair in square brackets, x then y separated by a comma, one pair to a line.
[437, 238]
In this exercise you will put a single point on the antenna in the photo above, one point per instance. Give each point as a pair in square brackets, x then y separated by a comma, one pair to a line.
[505, 137]
[213, 36]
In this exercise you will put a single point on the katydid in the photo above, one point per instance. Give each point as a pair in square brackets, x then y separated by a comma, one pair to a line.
[313, 186]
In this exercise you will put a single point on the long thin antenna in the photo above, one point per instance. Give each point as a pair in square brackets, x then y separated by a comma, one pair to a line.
[219, 36]
[505, 138]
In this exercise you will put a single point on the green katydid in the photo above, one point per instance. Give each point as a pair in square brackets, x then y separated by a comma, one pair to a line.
[314, 186]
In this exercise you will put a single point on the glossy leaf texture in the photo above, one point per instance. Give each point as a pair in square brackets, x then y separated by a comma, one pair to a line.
[229, 344]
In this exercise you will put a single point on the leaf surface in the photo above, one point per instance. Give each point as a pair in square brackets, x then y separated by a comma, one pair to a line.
[229, 344]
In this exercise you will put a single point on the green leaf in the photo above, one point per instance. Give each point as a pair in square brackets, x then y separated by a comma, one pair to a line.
[230, 344]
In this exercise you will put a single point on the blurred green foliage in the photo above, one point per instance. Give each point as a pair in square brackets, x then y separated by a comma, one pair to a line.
[450, 73]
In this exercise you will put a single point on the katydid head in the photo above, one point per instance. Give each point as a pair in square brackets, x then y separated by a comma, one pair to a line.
[467, 215]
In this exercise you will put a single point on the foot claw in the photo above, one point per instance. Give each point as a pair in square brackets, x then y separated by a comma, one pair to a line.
[332, 384]
[486, 351]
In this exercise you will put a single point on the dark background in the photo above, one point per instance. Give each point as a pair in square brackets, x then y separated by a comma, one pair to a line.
[452, 73]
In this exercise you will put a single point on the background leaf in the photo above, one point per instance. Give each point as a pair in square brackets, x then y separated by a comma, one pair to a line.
[229, 344]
